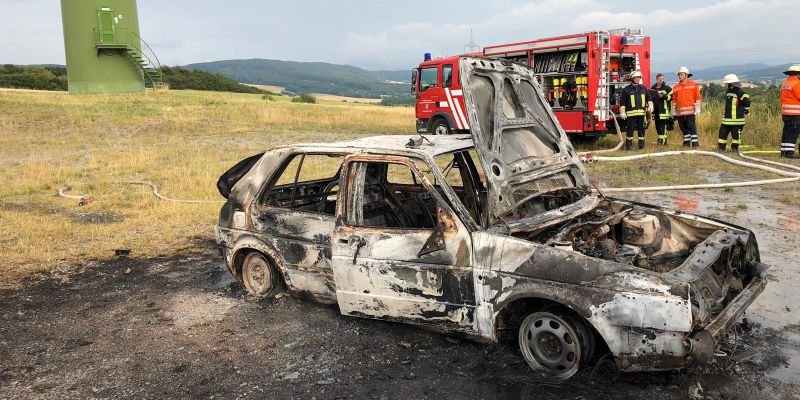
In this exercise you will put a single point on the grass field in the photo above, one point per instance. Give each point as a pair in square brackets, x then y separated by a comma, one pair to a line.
[183, 141]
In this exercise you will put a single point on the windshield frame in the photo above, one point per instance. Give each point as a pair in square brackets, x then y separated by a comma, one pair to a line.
[447, 190]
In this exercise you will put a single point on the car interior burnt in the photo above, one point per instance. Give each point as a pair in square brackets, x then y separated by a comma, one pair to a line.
[306, 182]
[389, 195]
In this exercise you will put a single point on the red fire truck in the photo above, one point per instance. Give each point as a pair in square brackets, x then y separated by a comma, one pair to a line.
[581, 75]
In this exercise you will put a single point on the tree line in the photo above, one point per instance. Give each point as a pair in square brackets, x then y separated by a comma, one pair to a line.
[44, 77]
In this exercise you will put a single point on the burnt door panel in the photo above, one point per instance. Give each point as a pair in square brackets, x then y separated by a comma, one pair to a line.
[303, 240]
[420, 275]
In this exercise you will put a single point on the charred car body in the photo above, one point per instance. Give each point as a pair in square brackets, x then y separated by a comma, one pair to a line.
[495, 234]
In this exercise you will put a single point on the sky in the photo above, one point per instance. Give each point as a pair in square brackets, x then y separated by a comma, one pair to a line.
[394, 35]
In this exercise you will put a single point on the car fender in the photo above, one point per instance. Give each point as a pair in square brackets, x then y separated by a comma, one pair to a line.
[247, 241]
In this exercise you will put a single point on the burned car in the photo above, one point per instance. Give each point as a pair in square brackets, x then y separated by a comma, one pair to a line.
[495, 235]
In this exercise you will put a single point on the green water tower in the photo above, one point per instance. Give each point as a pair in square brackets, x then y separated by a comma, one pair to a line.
[105, 53]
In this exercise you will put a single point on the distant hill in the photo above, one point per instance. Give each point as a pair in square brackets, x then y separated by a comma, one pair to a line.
[751, 72]
[717, 72]
[774, 72]
[312, 77]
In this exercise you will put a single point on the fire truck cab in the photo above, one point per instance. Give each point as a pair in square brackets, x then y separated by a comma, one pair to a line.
[440, 105]
[581, 75]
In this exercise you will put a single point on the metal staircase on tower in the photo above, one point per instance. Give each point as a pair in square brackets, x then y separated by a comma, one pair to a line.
[136, 50]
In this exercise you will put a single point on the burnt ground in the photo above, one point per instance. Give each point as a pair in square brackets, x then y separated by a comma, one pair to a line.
[180, 327]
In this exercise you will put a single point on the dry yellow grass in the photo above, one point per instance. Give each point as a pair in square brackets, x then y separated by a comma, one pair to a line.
[333, 97]
[181, 140]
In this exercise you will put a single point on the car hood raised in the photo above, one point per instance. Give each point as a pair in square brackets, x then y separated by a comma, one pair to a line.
[523, 150]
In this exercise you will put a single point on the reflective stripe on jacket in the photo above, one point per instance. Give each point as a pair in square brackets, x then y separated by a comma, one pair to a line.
[737, 103]
[663, 104]
[685, 96]
[790, 96]
[634, 98]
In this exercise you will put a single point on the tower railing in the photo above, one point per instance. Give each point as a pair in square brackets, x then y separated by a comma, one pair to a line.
[145, 50]
[137, 50]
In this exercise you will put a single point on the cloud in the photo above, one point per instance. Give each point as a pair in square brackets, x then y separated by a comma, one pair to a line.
[732, 10]
[402, 44]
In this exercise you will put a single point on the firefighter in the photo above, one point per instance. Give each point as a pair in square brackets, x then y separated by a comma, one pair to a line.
[686, 102]
[737, 105]
[662, 107]
[790, 111]
[636, 101]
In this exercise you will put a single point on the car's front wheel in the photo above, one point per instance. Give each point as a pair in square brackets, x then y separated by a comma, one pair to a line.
[550, 343]
[258, 276]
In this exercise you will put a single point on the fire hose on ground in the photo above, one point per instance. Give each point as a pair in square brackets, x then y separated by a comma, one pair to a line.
[589, 157]
[84, 199]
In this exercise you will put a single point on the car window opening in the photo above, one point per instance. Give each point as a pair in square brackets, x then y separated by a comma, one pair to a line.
[308, 182]
[397, 200]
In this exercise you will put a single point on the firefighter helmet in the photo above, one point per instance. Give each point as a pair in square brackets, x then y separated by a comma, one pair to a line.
[685, 71]
[730, 78]
[636, 74]
[793, 70]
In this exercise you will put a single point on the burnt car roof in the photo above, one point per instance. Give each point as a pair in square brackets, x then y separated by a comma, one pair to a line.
[432, 145]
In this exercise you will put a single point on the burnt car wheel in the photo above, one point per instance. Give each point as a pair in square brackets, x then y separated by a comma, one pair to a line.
[440, 127]
[258, 276]
[551, 344]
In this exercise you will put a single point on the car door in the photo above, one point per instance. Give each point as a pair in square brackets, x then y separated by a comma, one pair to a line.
[295, 215]
[389, 264]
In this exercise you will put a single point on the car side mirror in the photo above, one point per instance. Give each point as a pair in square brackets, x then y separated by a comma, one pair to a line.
[434, 243]
[436, 240]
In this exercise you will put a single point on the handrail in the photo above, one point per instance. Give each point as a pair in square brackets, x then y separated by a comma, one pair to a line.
[157, 63]
[132, 41]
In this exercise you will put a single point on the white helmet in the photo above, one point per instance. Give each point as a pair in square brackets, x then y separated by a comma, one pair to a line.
[685, 71]
[793, 70]
[730, 78]
[636, 74]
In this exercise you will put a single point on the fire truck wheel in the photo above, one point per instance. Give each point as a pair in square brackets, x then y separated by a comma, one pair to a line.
[440, 127]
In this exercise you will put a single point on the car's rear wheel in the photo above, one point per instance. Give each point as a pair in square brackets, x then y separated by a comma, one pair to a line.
[258, 276]
[550, 343]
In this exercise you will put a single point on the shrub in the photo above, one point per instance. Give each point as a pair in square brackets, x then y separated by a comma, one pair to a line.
[304, 98]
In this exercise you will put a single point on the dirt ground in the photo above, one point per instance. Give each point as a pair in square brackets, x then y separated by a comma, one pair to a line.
[179, 326]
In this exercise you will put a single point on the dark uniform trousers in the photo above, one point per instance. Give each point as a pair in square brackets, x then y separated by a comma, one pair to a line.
[689, 129]
[662, 126]
[635, 123]
[736, 134]
[791, 132]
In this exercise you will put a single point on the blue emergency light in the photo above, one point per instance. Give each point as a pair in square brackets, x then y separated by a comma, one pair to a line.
[427, 56]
